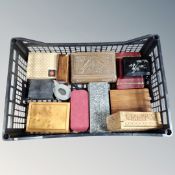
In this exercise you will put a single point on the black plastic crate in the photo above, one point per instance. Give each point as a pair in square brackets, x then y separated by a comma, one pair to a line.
[17, 87]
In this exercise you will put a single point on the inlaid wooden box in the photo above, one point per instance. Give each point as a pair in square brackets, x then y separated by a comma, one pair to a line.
[93, 67]
[134, 121]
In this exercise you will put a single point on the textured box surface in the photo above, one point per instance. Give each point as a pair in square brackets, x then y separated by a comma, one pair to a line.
[40, 89]
[79, 121]
[48, 117]
[63, 68]
[93, 67]
[127, 121]
[130, 83]
[99, 106]
[130, 100]
[42, 65]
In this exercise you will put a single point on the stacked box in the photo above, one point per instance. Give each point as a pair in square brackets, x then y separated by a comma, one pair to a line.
[130, 83]
[120, 56]
[99, 106]
[133, 67]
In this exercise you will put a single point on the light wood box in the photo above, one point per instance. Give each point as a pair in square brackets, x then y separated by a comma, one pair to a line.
[133, 121]
[48, 117]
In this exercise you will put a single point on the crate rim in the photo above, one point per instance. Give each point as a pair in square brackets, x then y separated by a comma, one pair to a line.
[100, 43]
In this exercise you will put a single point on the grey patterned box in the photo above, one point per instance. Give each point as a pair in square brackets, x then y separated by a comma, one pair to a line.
[99, 106]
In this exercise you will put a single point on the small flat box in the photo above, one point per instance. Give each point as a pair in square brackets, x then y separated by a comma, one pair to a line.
[136, 67]
[133, 121]
[130, 100]
[120, 56]
[79, 121]
[40, 90]
[48, 117]
[93, 67]
[99, 106]
[42, 65]
[130, 83]
[63, 68]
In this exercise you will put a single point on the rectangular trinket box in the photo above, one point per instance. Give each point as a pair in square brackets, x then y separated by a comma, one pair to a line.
[130, 100]
[63, 68]
[134, 121]
[42, 65]
[93, 67]
[130, 83]
[79, 121]
[99, 106]
[48, 117]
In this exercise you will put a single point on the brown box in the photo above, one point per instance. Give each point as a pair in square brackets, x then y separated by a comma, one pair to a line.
[93, 67]
[48, 117]
[133, 121]
[63, 68]
[130, 100]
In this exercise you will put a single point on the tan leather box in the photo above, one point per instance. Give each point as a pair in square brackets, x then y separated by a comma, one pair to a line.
[42, 65]
[93, 67]
[133, 121]
[130, 100]
[63, 68]
[48, 117]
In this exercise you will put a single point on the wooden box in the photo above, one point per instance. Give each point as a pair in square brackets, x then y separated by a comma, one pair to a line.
[48, 117]
[130, 100]
[63, 68]
[93, 67]
[133, 121]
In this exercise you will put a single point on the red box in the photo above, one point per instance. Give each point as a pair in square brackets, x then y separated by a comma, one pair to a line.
[130, 83]
[79, 121]
[120, 55]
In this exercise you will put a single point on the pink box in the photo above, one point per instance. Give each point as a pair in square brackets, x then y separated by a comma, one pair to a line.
[130, 83]
[79, 120]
